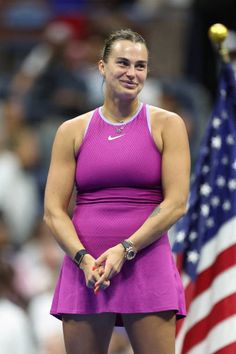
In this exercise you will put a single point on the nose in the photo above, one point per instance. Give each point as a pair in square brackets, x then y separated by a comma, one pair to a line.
[131, 72]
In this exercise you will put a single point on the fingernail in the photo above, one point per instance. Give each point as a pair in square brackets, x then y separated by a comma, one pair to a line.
[94, 268]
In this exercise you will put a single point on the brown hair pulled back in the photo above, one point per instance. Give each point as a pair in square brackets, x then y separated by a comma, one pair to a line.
[123, 34]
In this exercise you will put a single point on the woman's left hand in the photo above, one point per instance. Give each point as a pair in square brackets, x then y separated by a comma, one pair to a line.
[112, 260]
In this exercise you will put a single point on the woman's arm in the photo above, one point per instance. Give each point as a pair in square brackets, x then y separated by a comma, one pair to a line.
[175, 182]
[59, 189]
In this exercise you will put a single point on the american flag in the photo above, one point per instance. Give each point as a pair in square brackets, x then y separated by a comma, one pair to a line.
[205, 240]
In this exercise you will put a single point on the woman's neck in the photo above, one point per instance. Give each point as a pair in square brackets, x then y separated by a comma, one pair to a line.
[118, 111]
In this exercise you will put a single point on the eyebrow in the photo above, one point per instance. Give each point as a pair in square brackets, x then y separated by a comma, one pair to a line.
[138, 61]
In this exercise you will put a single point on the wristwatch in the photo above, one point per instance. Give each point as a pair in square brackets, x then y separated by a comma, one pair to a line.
[79, 256]
[130, 251]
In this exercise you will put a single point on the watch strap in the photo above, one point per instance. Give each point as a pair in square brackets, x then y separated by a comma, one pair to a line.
[127, 244]
[79, 256]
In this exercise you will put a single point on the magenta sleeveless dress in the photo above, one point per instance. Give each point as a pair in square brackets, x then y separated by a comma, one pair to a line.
[118, 180]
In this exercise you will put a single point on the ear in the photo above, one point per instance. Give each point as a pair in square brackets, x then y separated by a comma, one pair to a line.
[101, 67]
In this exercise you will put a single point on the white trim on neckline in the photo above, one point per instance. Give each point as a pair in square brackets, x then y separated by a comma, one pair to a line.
[127, 122]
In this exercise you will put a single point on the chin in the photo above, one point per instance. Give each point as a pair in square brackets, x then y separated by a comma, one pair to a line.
[129, 94]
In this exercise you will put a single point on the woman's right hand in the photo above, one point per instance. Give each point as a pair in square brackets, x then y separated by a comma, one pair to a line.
[92, 274]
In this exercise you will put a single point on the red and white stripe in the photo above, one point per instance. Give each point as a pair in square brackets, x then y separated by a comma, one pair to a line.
[210, 325]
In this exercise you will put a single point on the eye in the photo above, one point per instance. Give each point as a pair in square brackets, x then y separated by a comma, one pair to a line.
[141, 66]
[122, 62]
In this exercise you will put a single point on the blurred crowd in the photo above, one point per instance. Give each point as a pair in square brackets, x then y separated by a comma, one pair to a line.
[48, 64]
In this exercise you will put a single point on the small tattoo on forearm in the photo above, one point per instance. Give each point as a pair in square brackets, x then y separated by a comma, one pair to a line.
[155, 211]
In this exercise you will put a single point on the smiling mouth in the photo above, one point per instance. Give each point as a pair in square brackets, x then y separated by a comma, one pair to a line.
[129, 83]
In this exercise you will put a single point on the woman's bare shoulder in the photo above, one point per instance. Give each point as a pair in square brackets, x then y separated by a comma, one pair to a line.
[162, 122]
[76, 124]
[71, 132]
[161, 117]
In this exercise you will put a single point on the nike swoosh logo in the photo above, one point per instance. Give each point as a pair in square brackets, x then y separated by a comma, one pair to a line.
[115, 137]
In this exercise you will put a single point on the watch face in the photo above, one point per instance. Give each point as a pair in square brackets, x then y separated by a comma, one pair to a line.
[130, 254]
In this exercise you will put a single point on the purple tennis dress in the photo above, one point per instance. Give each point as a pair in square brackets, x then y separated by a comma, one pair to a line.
[118, 179]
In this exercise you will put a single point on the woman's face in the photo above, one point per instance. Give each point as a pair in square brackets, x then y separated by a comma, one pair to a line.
[126, 69]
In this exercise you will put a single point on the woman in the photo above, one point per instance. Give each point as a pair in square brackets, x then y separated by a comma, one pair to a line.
[130, 162]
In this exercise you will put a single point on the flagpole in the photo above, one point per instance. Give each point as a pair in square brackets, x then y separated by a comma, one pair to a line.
[217, 34]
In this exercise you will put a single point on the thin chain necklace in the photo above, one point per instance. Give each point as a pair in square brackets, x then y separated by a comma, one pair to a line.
[120, 128]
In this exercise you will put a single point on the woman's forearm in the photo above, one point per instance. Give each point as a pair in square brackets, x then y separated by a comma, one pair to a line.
[160, 220]
[64, 232]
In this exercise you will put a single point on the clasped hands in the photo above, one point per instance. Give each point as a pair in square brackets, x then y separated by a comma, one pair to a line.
[98, 272]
